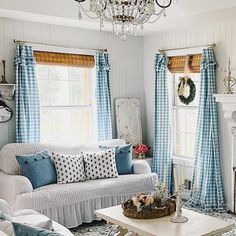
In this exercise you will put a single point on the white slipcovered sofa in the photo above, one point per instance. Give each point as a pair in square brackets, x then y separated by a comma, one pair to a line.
[68, 204]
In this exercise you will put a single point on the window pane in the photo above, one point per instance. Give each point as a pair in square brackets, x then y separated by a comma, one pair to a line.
[45, 124]
[196, 80]
[61, 122]
[180, 144]
[185, 119]
[190, 142]
[196, 100]
[42, 72]
[44, 92]
[76, 73]
[191, 120]
[71, 126]
[58, 73]
[81, 120]
[80, 92]
[180, 120]
[67, 114]
[59, 93]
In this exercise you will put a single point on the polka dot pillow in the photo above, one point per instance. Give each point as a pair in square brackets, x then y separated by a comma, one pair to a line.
[69, 168]
[100, 165]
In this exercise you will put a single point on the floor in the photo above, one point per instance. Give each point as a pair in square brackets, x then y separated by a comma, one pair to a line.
[96, 228]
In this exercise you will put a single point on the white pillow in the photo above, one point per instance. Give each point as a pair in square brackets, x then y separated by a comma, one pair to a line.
[5, 208]
[100, 165]
[141, 167]
[69, 168]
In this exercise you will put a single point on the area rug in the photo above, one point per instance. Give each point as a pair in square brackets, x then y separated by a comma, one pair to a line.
[100, 228]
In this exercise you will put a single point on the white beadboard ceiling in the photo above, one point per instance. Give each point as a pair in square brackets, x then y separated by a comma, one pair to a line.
[64, 12]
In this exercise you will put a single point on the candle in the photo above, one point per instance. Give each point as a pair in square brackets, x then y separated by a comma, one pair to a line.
[182, 175]
[175, 180]
[179, 176]
[165, 175]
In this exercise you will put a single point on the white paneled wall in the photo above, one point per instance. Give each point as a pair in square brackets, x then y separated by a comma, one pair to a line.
[224, 35]
[125, 57]
[132, 61]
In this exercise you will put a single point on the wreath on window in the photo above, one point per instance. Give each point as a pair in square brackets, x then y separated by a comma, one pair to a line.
[186, 84]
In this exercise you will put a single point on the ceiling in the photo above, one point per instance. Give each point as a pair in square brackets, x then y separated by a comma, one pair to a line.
[65, 12]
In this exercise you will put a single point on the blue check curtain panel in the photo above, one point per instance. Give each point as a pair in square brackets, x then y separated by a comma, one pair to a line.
[209, 195]
[162, 136]
[104, 112]
[27, 97]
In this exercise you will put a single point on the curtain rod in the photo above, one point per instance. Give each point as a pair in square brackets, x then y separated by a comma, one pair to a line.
[56, 45]
[212, 45]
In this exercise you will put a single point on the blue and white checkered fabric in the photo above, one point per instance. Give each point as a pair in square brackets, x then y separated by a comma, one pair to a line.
[209, 195]
[162, 128]
[104, 113]
[27, 97]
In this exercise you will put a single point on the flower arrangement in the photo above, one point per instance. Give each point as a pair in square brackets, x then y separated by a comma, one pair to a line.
[141, 149]
[149, 205]
[141, 200]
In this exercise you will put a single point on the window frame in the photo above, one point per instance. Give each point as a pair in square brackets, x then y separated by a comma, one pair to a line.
[177, 159]
[91, 106]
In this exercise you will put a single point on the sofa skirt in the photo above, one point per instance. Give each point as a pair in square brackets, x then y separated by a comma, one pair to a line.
[75, 214]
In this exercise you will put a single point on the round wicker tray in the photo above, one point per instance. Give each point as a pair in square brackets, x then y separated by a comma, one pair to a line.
[152, 213]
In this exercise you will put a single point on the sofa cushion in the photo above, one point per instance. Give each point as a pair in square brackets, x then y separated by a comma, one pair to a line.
[57, 195]
[123, 157]
[9, 164]
[38, 168]
[70, 168]
[100, 165]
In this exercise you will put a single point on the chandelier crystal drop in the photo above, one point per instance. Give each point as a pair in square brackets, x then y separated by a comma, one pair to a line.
[126, 16]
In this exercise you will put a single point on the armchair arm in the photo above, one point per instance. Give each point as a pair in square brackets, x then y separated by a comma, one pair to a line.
[141, 167]
[13, 185]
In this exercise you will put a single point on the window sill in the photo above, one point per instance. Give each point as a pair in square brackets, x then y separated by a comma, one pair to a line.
[182, 161]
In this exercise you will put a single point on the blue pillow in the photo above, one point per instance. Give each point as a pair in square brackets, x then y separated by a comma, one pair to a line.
[123, 158]
[38, 168]
[26, 230]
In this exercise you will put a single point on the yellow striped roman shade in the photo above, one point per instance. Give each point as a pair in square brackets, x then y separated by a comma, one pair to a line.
[177, 64]
[64, 59]
[194, 63]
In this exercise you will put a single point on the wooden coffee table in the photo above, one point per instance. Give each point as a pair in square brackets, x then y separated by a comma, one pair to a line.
[197, 224]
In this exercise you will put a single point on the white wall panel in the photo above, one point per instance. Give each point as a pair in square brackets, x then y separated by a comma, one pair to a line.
[224, 35]
[125, 57]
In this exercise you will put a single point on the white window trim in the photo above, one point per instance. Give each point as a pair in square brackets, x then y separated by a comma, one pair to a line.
[47, 48]
[57, 49]
[177, 159]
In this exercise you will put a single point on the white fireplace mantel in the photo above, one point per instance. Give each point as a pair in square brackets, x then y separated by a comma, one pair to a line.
[228, 102]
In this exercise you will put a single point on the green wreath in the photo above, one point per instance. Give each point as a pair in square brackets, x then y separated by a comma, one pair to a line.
[186, 81]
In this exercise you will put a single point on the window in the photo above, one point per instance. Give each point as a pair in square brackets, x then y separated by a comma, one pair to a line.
[184, 119]
[67, 104]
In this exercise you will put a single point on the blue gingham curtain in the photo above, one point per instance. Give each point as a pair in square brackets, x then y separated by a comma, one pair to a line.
[27, 97]
[162, 137]
[209, 195]
[104, 112]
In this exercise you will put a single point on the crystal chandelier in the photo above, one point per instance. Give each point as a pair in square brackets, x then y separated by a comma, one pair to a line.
[124, 15]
